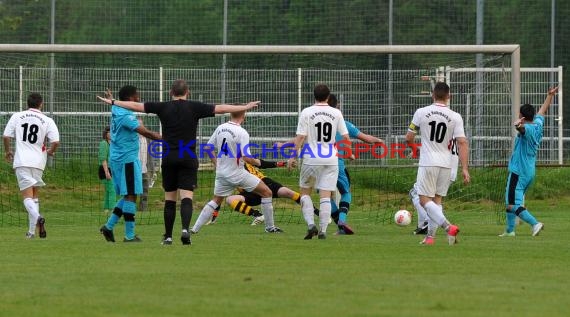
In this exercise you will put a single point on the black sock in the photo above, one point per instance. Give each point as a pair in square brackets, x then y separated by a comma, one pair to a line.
[118, 211]
[169, 217]
[316, 211]
[342, 207]
[334, 216]
[255, 213]
[186, 212]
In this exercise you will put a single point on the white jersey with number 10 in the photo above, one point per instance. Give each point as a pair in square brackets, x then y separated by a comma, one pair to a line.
[438, 125]
[30, 128]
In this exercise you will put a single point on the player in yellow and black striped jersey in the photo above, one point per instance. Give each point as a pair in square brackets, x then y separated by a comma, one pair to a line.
[244, 201]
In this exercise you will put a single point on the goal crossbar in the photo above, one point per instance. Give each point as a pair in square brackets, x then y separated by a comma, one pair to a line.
[259, 49]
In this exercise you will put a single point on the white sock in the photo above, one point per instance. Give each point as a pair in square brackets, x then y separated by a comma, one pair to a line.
[435, 214]
[37, 201]
[324, 214]
[422, 214]
[205, 215]
[33, 214]
[267, 210]
[432, 228]
[307, 209]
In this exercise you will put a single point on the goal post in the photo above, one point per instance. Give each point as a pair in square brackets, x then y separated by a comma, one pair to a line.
[380, 184]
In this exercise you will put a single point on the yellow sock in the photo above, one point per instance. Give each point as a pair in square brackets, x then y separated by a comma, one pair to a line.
[241, 207]
[296, 197]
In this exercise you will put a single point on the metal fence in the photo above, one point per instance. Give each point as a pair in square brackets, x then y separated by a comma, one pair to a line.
[379, 102]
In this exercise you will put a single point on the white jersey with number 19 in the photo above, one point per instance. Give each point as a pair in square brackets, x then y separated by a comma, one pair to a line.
[438, 125]
[320, 124]
[30, 128]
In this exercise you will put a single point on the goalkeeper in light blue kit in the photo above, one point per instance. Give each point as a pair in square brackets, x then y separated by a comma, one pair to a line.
[522, 164]
[125, 164]
[339, 213]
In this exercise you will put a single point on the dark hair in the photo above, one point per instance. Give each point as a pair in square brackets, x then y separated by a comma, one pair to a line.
[127, 92]
[332, 101]
[528, 111]
[440, 91]
[179, 88]
[321, 92]
[105, 131]
[35, 100]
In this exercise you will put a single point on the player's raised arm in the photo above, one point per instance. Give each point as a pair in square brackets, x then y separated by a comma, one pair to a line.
[218, 109]
[131, 105]
[544, 108]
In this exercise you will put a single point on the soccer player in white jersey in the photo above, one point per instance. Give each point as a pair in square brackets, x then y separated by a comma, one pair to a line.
[318, 126]
[231, 143]
[30, 128]
[438, 125]
[423, 219]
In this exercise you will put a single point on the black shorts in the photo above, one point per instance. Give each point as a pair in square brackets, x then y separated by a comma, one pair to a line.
[253, 199]
[179, 174]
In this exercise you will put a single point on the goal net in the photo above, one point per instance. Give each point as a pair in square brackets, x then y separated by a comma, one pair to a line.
[378, 92]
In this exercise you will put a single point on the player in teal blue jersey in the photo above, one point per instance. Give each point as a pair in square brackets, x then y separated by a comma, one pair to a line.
[522, 164]
[340, 212]
[125, 164]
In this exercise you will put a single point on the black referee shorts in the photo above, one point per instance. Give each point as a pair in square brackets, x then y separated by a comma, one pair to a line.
[179, 174]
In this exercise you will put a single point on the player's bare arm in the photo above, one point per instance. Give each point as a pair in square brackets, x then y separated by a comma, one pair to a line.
[251, 160]
[463, 148]
[271, 164]
[410, 137]
[370, 139]
[282, 144]
[142, 130]
[298, 141]
[7, 149]
[130, 105]
[552, 91]
[212, 155]
[218, 109]
[346, 145]
[52, 148]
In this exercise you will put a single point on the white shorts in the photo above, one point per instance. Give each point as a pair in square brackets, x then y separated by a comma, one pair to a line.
[29, 177]
[321, 177]
[433, 180]
[225, 185]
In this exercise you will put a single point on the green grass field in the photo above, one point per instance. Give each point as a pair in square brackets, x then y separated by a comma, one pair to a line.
[233, 269]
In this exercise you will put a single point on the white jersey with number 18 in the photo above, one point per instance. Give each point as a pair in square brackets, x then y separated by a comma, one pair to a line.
[30, 128]
[438, 125]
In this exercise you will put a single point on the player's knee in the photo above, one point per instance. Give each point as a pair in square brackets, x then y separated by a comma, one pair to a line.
[129, 217]
[519, 210]
[266, 193]
[218, 200]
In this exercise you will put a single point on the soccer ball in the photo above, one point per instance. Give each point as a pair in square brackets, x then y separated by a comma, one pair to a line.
[402, 218]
